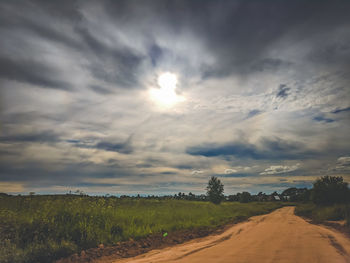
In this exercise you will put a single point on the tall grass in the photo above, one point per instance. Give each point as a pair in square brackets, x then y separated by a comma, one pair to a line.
[44, 228]
[320, 214]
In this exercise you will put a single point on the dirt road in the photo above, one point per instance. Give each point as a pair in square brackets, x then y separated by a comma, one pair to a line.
[277, 237]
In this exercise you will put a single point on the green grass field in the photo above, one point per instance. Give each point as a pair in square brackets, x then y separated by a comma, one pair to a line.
[38, 228]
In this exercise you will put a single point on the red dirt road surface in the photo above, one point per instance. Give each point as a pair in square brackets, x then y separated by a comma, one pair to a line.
[279, 236]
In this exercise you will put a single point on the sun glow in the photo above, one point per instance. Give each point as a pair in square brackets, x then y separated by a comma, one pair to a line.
[166, 96]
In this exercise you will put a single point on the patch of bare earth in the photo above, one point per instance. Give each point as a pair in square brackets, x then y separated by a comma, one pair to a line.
[133, 248]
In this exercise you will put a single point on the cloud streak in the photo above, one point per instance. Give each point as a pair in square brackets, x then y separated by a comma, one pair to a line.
[276, 149]
[280, 169]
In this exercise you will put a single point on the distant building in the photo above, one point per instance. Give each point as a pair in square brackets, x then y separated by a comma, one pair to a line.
[277, 198]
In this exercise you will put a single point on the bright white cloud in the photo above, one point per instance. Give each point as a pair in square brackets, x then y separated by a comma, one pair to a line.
[343, 163]
[278, 169]
[238, 169]
[197, 172]
[230, 171]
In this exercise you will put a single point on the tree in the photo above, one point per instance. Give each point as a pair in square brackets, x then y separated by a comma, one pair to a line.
[245, 197]
[330, 190]
[294, 194]
[261, 197]
[215, 190]
[232, 198]
[191, 196]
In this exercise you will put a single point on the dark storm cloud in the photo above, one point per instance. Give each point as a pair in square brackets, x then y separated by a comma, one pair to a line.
[20, 117]
[144, 165]
[168, 173]
[67, 11]
[155, 52]
[111, 64]
[41, 30]
[322, 119]
[40, 137]
[28, 118]
[253, 113]
[282, 91]
[125, 148]
[73, 141]
[233, 30]
[183, 167]
[336, 53]
[270, 64]
[341, 110]
[120, 147]
[69, 173]
[239, 38]
[31, 72]
[100, 90]
[283, 186]
[116, 65]
[276, 149]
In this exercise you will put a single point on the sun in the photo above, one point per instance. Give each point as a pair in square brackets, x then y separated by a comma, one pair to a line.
[166, 96]
[167, 81]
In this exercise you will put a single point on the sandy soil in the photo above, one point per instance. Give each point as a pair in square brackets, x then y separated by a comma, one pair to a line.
[279, 236]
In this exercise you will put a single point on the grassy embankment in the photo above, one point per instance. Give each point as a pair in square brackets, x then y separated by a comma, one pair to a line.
[43, 228]
[320, 214]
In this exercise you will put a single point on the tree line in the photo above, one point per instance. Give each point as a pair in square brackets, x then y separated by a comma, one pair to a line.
[326, 190]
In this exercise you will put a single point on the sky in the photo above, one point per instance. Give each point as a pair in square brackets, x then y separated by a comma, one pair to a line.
[155, 97]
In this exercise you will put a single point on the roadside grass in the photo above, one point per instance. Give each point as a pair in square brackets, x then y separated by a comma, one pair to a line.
[321, 214]
[45, 228]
